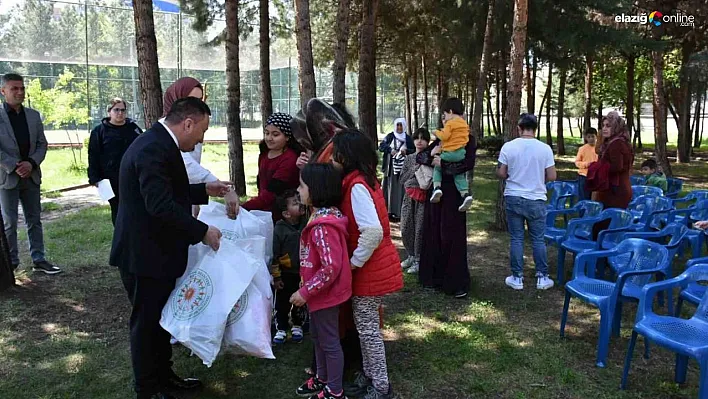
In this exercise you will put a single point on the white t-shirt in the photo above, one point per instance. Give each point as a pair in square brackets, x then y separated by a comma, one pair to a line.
[527, 161]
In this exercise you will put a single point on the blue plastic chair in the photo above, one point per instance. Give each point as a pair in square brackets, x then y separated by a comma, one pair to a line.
[578, 236]
[650, 212]
[646, 259]
[637, 180]
[690, 198]
[694, 292]
[561, 194]
[674, 187]
[671, 237]
[688, 216]
[687, 338]
[646, 190]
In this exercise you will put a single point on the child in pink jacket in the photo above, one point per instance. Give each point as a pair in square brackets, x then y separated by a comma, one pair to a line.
[326, 275]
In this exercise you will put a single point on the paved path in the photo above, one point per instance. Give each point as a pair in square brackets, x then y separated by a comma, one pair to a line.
[70, 202]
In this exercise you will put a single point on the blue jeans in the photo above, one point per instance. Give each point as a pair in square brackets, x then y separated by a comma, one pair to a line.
[583, 194]
[518, 211]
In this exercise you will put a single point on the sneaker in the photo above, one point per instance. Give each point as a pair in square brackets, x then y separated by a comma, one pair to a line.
[46, 267]
[359, 387]
[413, 269]
[514, 282]
[466, 204]
[437, 194]
[544, 283]
[312, 386]
[280, 337]
[407, 263]
[327, 394]
[373, 393]
[296, 334]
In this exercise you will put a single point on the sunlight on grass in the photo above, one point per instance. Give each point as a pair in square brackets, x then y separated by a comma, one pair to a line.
[73, 363]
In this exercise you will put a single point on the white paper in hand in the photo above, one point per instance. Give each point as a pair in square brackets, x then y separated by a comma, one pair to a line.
[105, 191]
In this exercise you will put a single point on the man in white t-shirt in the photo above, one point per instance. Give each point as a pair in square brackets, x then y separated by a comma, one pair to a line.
[527, 164]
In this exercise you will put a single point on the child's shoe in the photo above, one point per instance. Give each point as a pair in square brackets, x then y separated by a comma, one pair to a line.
[359, 387]
[407, 263]
[312, 386]
[373, 393]
[297, 334]
[437, 194]
[327, 394]
[413, 269]
[280, 337]
[466, 204]
[514, 282]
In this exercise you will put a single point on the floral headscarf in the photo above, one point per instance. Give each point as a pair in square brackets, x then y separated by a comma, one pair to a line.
[619, 132]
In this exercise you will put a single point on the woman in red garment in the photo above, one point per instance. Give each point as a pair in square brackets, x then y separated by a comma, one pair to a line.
[615, 149]
[276, 164]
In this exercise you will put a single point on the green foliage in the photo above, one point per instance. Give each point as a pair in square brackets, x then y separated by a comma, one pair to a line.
[492, 144]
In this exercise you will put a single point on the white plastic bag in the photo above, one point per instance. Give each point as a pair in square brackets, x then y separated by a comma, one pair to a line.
[196, 312]
[246, 225]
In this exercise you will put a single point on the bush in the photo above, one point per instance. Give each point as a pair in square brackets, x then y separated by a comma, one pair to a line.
[492, 144]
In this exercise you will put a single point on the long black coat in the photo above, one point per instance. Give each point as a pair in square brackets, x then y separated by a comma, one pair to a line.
[155, 227]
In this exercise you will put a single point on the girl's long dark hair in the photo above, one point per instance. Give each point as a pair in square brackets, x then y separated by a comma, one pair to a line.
[355, 151]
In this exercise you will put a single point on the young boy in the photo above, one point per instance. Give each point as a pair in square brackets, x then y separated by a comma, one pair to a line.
[286, 264]
[654, 176]
[454, 137]
[586, 156]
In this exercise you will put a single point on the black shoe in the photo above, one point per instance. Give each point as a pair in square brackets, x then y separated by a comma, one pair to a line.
[460, 294]
[156, 396]
[175, 383]
[327, 394]
[312, 386]
[46, 267]
[372, 393]
[359, 387]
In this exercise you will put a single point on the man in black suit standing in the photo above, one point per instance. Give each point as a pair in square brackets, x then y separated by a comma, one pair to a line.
[154, 229]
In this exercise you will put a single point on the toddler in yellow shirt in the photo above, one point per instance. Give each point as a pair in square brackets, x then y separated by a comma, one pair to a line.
[454, 138]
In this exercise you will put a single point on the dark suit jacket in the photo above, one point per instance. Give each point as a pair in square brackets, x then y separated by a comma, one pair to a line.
[155, 227]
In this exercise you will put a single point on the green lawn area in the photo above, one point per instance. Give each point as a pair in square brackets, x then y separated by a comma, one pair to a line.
[66, 336]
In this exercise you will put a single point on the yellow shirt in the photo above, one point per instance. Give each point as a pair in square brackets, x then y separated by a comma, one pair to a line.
[455, 134]
[586, 156]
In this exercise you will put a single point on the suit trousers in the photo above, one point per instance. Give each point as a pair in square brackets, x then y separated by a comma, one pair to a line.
[27, 192]
[150, 347]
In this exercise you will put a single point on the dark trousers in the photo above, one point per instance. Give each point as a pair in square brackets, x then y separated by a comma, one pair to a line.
[150, 347]
[324, 327]
[113, 202]
[283, 308]
[583, 194]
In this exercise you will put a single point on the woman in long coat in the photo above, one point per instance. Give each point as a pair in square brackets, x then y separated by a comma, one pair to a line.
[395, 147]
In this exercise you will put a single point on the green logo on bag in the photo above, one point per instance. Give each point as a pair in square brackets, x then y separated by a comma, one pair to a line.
[193, 296]
[228, 235]
[238, 310]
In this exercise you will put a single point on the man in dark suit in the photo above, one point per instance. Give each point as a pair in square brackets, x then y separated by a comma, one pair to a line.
[154, 229]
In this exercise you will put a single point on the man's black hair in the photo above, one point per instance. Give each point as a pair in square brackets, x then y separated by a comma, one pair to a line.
[324, 182]
[189, 107]
[10, 77]
[528, 122]
[454, 105]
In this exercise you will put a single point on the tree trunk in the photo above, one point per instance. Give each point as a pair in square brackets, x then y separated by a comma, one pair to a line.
[497, 99]
[531, 95]
[659, 106]
[599, 116]
[414, 99]
[540, 111]
[233, 95]
[146, 44]
[266, 92]
[630, 92]
[491, 119]
[518, 48]
[483, 73]
[306, 69]
[7, 274]
[698, 121]
[407, 93]
[570, 126]
[549, 137]
[426, 100]
[505, 84]
[339, 68]
[560, 141]
[638, 127]
[367, 70]
[588, 92]
[683, 106]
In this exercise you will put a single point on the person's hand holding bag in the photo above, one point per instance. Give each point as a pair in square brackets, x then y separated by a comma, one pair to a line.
[212, 238]
[233, 203]
[218, 188]
[297, 299]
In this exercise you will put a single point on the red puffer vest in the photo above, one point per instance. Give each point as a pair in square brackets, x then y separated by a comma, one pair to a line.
[381, 274]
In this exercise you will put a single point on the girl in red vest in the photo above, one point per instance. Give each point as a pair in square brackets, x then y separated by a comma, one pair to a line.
[374, 259]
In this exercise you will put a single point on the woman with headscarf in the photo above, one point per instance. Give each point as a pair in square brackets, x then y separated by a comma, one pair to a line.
[276, 164]
[395, 147]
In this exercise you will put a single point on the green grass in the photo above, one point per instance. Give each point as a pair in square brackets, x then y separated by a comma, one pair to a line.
[66, 336]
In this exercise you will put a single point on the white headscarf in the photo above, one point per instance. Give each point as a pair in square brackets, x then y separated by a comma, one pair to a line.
[400, 136]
